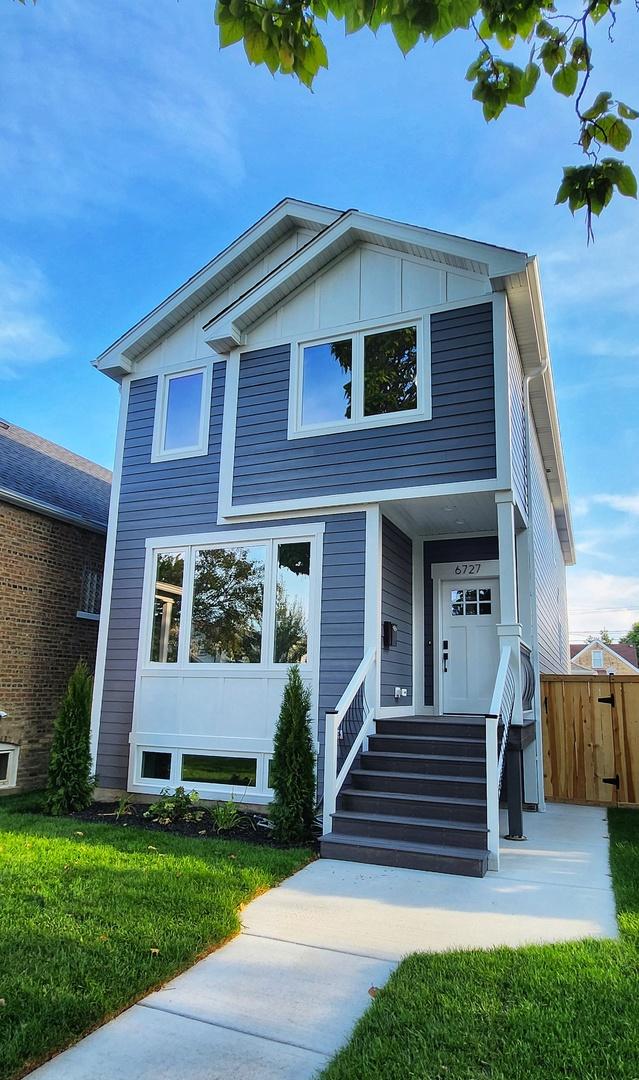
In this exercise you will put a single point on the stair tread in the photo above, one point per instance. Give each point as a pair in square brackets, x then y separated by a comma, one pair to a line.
[460, 758]
[471, 718]
[404, 845]
[454, 800]
[456, 779]
[395, 819]
[461, 739]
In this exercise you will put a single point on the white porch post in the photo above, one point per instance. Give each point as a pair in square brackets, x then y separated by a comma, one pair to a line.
[509, 627]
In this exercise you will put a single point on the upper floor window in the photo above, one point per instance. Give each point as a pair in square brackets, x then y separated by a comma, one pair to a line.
[372, 376]
[182, 414]
[597, 658]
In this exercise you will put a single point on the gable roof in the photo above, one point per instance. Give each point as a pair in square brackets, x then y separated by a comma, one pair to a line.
[53, 481]
[627, 653]
[279, 222]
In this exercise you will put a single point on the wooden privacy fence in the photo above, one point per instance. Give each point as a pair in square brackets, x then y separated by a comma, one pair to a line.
[591, 738]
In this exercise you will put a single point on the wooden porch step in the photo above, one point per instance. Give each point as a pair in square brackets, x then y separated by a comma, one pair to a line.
[438, 858]
[447, 807]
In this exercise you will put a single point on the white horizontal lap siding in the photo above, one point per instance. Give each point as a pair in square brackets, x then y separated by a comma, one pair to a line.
[517, 417]
[550, 575]
[458, 444]
[397, 607]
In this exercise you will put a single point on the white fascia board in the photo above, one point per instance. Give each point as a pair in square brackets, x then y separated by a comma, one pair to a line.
[115, 362]
[352, 227]
[529, 322]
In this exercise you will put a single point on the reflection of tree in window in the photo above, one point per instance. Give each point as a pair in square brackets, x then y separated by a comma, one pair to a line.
[390, 371]
[291, 603]
[343, 353]
[228, 597]
[167, 608]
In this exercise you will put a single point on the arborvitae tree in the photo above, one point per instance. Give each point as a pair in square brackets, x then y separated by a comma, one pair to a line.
[70, 786]
[293, 765]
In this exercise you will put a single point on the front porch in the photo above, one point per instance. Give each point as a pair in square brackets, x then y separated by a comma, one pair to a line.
[442, 705]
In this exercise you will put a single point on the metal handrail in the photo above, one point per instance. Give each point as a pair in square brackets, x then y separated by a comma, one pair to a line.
[336, 731]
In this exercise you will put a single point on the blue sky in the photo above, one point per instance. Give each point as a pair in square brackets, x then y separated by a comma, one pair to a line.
[132, 150]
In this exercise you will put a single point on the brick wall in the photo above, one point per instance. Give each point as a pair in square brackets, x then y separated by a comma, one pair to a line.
[42, 562]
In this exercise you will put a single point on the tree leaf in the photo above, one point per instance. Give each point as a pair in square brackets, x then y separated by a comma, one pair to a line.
[565, 80]
[626, 112]
[600, 105]
[626, 181]
[406, 35]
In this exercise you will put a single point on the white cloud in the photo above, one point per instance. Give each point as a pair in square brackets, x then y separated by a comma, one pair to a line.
[597, 599]
[26, 336]
[117, 102]
[626, 504]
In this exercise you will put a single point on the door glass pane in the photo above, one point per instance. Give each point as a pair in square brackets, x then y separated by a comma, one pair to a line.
[485, 609]
[167, 607]
[228, 600]
[471, 594]
[326, 382]
[484, 594]
[292, 591]
[390, 371]
[211, 769]
[183, 409]
[471, 609]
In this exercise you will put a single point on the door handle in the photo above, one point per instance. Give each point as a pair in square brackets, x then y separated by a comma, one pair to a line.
[445, 660]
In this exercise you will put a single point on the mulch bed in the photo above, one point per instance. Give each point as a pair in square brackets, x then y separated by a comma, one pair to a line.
[252, 827]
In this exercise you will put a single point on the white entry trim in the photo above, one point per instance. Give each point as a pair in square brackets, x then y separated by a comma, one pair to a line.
[488, 568]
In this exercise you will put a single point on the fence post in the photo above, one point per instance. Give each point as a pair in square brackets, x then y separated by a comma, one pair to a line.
[330, 770]
[492, 791]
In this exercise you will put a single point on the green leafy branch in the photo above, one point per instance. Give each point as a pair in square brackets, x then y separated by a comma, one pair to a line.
[283, 34]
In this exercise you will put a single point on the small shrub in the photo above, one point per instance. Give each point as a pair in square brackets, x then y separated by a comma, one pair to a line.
[70, 785]
[180, 806]
[124, 807]
[293, 765]
[225, 816]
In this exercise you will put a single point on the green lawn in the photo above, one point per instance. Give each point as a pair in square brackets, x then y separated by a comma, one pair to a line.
[537, 1013]
[92, 917]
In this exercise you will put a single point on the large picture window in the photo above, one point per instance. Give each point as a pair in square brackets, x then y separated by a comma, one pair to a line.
[232, 604]
[370, 377]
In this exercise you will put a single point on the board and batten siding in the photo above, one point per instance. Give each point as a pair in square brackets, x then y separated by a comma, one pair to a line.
[397, 606]
[549, 574]
[465, 549]
[517, 416]
[169, 497]
[456, 445]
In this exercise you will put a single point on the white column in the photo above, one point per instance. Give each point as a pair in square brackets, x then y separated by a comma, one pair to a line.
[509, 628]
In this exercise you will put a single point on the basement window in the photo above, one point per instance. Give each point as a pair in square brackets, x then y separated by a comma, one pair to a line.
[8, 765]
[156, 765]
[214, 769]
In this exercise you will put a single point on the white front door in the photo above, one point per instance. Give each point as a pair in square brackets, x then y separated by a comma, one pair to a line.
[469, 644]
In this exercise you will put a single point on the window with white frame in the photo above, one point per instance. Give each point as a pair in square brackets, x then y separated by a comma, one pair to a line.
[372, 376]
[182, 414]
[597, 658]
[8, 765]
[232, 603]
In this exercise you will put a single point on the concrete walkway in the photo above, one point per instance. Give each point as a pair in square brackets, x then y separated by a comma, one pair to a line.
[279, 1000]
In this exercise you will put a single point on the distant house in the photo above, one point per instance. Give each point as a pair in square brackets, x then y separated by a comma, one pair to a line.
[53, 517]
[597, 656]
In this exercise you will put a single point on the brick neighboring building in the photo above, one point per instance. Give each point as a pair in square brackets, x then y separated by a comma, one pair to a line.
[53, 518]
[597, 656]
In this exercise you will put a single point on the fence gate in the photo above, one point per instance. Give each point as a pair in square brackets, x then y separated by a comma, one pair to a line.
[591, 738]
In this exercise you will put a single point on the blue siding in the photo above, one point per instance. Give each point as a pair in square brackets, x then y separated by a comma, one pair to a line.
[161, 498]
[458, 444]
[397, 606]
[466, 549]
[517, 419]
[549, 575]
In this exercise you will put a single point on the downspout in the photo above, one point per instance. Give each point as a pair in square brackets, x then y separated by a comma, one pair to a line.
[534, 644]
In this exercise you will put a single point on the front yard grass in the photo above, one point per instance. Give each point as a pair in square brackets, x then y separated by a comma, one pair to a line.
[535, 1013]
[92, 918]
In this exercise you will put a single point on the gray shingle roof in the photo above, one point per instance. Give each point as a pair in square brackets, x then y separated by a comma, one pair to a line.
[37, 470]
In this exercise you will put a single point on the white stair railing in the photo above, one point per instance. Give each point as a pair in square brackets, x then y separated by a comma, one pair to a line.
[502, 707]
[347, 726]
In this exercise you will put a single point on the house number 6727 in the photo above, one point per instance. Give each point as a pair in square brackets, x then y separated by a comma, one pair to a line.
[467, 569]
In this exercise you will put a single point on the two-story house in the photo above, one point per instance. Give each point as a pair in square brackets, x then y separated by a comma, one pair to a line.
[338, 446]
